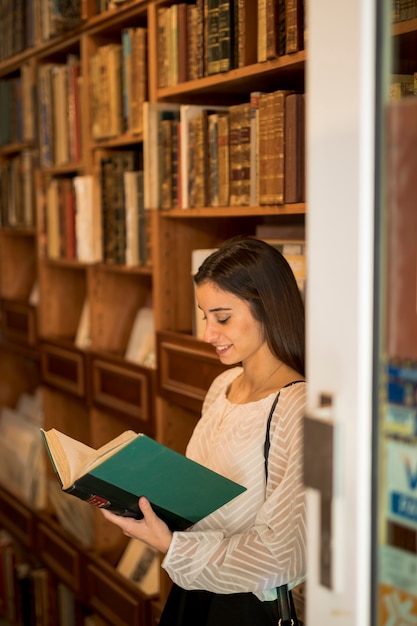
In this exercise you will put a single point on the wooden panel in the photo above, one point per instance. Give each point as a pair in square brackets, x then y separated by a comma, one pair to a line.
[18, 322]
[186, 369]
[20, 372]
[113, 598]
[17, 263]
[63, 368]
[124, 388]
[59, 555]
[17, 519]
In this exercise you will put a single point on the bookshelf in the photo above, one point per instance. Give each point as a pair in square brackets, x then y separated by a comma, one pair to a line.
[69, 296]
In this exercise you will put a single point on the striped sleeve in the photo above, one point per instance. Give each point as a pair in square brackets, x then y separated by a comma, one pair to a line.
[256, 542]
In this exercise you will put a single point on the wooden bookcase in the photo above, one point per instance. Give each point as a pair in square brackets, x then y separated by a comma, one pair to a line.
[92, 392]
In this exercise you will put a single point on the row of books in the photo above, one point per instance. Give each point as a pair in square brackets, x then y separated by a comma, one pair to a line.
[27, 23]
[212, 36]
[58, 107]
[403, 10]
[16, 106]
[246, 154]
[402, 86]
[17, 193]
[80, 221]
[22, 463]
[30, 595]
[118, 85]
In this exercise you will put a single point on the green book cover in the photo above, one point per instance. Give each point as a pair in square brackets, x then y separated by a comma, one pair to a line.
[180, 490]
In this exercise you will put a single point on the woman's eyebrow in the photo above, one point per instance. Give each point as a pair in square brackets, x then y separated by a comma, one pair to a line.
[217, 309]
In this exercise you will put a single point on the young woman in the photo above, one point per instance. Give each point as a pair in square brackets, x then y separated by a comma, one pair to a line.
[227, 567]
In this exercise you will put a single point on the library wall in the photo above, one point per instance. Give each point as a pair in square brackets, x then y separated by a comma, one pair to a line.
[135, 137]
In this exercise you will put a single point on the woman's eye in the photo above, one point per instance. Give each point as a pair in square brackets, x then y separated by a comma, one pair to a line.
[224, 320]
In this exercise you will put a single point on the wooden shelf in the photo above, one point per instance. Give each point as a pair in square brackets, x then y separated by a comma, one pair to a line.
[90, 391]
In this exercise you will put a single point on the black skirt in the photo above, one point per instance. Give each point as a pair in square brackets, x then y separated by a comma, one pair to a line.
[203, 608]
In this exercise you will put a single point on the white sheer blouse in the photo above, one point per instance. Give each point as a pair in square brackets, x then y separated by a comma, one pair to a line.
[256, 542]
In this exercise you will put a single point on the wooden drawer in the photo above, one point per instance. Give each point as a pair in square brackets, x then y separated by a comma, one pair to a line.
[124, 388]
[64, 368]
[114, 598]
[186, 368]
[18, 322]
[17, 519]
[59, 555]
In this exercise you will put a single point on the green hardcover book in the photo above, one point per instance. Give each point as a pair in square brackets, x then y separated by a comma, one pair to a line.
[180, 490]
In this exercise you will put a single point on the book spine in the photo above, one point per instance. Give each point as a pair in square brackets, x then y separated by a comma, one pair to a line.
[261, 38]
[226, 35]
[213, 176]
[293, 26]
[223, 159]
[163, 56]
[294, 178]
[246, 34]
[193, 42]
[182, 42]
[254, 148]
[213, 36]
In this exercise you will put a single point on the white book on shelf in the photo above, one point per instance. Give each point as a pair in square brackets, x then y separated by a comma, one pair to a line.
[141, 345]
[82, 337]
[135, 218]
[87, 220]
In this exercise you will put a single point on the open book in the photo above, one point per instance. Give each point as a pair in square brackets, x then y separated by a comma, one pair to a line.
[180, 490]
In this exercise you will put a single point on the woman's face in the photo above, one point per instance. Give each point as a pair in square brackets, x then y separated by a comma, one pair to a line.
[230, 326]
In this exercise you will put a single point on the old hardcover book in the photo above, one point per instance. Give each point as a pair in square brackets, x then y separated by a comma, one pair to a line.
[401, 266]
[293, 26]
[275, 28]
[226, 35]
[197, 161]
[294, 177]
[132, 465]
[246, 35]
[223, 159]
[134, 75]
[239, 146]
[163, 54]
[182, 27]
[192, 42]
[271, 147]
[261, 30]
[213, 36]
[213, 160]
[168, 127]
[187, 147]
[153, 114]
[74, 119]
[254, 148]
[264, 133]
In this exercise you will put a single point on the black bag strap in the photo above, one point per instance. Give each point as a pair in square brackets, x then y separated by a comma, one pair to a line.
[267, 443]
[283, 593]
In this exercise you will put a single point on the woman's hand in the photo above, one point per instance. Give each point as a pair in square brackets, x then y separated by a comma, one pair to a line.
[151, 529]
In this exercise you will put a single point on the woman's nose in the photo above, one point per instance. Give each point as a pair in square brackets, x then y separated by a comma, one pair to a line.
[210, 332]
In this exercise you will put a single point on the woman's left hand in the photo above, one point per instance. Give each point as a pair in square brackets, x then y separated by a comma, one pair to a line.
[151, 529]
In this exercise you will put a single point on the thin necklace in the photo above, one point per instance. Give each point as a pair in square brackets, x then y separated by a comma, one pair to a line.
[230, 407]
[264, 382]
